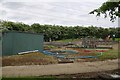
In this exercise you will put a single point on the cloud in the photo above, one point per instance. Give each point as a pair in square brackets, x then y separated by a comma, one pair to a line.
[3, 12]
[1, 0]
[52, 0]
[13, 5]
[60, 13]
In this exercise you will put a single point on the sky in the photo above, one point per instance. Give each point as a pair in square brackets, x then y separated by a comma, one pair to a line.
[58, 12]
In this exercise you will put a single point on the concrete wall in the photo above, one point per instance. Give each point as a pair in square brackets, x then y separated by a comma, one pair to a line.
[15, 42]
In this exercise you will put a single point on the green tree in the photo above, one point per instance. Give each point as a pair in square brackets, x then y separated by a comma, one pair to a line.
[109, 8]
[14, 26]
[56, 32]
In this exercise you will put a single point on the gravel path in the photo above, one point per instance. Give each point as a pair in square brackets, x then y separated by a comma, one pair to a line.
[57, 69]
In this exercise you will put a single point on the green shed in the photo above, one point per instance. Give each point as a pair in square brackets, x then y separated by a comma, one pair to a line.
[16, 42]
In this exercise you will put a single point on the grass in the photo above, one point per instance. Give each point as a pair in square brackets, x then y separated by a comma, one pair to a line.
[108, 54]
[71, 40]
[68, 40]
[49, 47]
[41, 59]
[28, 59]
[117, 39]
[111, 54]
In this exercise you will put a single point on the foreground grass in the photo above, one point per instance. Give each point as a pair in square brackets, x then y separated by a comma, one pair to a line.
[28, 59]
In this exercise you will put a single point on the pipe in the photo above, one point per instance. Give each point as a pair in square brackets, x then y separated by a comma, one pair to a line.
[28, 52]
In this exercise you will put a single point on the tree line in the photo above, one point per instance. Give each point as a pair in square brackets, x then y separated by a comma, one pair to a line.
[58, 32]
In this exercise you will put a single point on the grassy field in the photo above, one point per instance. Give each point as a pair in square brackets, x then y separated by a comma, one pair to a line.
[111, 54]
[117, 39]
[68, 40]
[41, 59]
[72, 40]
[49, 47]
[28, 59]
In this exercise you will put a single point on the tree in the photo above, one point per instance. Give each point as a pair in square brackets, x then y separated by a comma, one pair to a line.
[56, 32]
[108, 8]
[16, 26]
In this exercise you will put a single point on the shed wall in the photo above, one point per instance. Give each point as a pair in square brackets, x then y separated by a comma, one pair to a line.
[15, 42]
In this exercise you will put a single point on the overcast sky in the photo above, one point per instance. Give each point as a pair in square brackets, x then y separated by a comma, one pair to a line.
[59, 12]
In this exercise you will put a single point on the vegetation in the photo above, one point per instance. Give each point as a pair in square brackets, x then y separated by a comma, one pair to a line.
[111, 54]
[46, 47]
[110, 8]
[57, 32]
[68, 40]
[28, 59]
[117, 39]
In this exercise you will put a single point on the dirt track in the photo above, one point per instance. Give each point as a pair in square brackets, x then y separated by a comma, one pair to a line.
[57, 69]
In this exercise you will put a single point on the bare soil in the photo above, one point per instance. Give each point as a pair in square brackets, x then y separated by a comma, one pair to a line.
[58, 69]
[92, 75]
